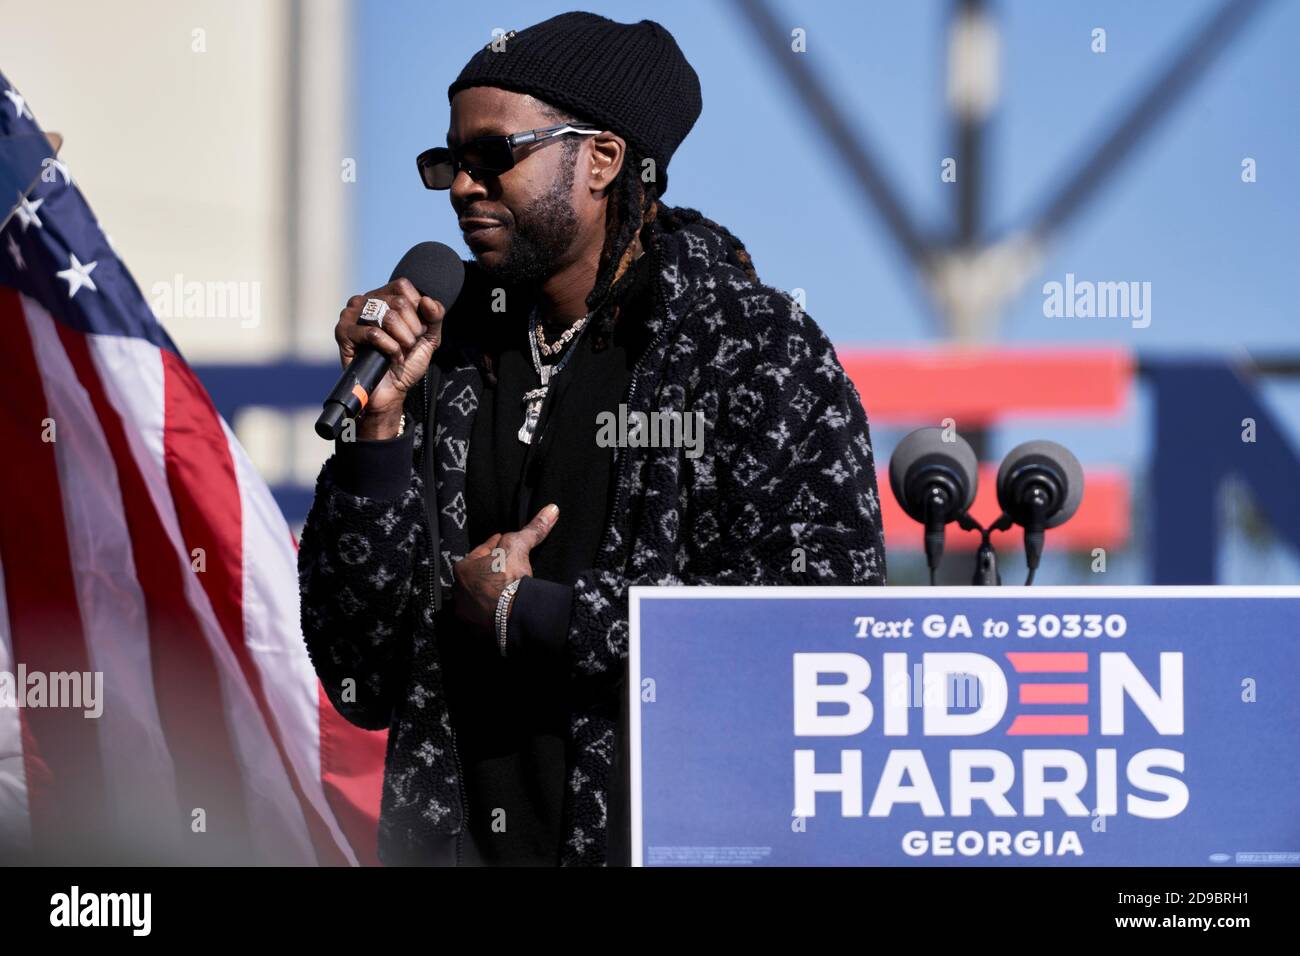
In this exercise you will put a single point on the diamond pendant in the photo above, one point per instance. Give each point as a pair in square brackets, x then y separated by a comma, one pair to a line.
[533, 409]
[529, 426]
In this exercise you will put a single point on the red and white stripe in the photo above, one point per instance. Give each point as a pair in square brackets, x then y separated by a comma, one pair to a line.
[210, 700]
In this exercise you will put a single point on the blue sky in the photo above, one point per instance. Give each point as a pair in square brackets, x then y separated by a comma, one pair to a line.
[1219, 253]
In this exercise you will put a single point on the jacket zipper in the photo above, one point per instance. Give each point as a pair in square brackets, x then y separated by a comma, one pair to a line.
[426, 463]
[621, 465]
[622, 459]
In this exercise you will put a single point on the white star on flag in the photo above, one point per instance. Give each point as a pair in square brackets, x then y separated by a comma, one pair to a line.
[16, 254]
[27, 212]
[20, 105]
[78, 275]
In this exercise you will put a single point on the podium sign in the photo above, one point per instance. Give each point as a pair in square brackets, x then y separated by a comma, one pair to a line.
[965, 726]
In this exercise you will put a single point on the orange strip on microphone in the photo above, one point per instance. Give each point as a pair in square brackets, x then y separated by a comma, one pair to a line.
[361, 394]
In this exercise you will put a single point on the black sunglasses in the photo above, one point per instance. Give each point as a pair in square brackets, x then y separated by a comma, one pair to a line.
[485, 156]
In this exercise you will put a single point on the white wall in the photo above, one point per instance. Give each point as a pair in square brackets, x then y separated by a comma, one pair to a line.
[177, 125]
[180, 126]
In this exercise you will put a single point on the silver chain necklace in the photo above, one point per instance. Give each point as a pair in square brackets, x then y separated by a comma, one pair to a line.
[533, 398]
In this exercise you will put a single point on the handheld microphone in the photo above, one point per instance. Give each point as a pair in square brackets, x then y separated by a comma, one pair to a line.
[436, 271]
[934, 481]
[1040, 486]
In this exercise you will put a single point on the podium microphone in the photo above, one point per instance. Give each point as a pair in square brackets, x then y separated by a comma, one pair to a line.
[934, 481]
[436, 271]
[1040, 486]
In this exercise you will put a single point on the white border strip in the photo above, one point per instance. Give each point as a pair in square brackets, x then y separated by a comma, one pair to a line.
[635, 594]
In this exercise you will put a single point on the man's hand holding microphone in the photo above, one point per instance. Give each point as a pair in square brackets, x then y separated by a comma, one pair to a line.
[407, 336]
[386, 340]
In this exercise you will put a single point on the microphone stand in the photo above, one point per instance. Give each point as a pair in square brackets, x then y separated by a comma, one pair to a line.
[986, 559]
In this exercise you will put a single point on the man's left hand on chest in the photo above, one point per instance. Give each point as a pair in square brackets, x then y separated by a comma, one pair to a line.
[483, 573]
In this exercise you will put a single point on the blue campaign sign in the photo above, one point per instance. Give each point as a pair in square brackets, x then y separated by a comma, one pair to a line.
[979, 726]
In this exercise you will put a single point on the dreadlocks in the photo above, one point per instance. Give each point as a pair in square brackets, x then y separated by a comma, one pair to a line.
[632, 204]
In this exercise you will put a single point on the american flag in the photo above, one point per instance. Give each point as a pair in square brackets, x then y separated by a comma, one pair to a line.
[138, 542]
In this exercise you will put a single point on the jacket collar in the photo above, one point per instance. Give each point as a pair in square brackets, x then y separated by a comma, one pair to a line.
[687, 260]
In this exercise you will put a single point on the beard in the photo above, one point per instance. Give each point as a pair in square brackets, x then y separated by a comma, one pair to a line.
[541, 235]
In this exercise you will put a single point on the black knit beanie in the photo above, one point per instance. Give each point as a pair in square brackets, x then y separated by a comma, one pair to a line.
[629, 78]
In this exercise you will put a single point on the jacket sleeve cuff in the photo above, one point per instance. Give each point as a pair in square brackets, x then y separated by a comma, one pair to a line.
[538, 626]
[374, 469]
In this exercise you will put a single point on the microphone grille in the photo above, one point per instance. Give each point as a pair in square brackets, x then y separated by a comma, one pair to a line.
[434, 269]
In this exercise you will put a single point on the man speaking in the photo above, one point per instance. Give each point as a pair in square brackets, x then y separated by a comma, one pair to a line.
[466, 563]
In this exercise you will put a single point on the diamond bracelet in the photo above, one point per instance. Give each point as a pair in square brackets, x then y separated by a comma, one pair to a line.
[503, 613]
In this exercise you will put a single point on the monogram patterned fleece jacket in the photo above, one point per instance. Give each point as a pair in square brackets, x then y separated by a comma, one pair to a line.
[787, 465]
